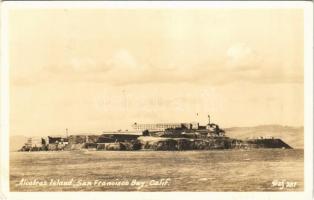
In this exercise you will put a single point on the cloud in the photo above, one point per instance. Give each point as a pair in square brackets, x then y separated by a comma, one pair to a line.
[122, 59]
[241, 63]
[242, 57]
[246, 64]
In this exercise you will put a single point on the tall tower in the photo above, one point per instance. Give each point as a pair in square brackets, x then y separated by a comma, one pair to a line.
[66, 132]
[208, 119]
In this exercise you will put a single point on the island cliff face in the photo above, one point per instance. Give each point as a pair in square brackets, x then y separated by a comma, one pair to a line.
[161, 137]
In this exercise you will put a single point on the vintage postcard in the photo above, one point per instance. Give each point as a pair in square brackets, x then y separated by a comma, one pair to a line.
[213, 99]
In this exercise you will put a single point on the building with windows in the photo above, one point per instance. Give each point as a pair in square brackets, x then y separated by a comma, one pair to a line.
[155, 127]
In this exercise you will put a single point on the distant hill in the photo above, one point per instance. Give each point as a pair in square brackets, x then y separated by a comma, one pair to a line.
[293, 136]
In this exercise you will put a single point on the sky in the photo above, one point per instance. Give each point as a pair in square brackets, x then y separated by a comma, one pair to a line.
[91, 70]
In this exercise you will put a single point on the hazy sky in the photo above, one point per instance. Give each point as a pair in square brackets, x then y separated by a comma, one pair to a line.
[101, 69]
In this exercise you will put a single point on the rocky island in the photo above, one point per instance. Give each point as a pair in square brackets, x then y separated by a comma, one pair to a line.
[160, 136]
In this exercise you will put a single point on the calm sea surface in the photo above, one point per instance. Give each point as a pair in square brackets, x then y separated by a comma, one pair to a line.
[225, 170]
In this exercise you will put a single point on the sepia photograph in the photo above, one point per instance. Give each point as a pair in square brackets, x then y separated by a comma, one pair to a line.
[171, 98]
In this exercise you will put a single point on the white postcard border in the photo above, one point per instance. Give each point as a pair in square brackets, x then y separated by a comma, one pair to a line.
[308, 102]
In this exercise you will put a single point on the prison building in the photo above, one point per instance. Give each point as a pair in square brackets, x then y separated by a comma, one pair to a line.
[56, 140]
[155, 127]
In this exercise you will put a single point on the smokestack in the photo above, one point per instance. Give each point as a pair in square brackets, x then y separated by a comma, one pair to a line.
[208, 119]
